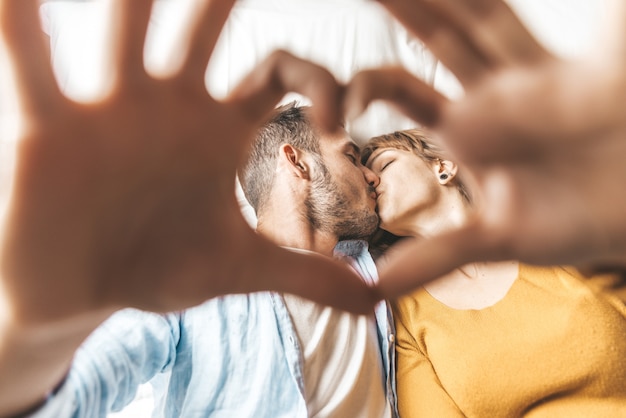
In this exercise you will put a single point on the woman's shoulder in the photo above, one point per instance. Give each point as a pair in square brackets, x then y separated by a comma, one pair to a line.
[609, 286]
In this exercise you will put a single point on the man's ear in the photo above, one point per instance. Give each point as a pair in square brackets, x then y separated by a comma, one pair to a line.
[294, 160]
[445, 170]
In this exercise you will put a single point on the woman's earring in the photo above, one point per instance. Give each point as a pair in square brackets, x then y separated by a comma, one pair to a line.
[443, 176]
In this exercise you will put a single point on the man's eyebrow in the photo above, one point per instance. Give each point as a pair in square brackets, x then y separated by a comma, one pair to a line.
[354, 148]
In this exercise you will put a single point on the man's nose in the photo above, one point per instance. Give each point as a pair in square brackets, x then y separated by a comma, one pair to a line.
[371, 177]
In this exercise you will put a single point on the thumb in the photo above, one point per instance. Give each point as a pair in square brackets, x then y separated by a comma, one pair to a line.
[315, 277]
[414, 262]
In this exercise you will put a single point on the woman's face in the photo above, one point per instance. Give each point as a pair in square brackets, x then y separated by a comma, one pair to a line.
[408, 188]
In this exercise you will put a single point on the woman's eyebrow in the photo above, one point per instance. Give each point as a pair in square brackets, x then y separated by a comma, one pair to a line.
[371, 160]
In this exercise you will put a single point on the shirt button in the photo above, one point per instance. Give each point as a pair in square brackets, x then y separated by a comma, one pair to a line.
[392, 338]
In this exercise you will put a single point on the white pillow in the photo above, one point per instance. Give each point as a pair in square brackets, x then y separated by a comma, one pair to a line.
[344, 36]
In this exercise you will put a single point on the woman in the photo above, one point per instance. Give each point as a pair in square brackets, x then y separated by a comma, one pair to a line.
[493, 339]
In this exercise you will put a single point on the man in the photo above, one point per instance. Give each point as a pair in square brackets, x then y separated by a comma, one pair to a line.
[263, 354]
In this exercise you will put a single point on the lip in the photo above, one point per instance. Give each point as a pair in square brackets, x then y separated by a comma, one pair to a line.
[377, 204]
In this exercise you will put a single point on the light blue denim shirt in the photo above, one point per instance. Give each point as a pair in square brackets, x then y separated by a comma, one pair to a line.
[233, 356]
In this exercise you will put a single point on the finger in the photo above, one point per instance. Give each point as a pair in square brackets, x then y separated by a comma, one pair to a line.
[131, 17]
[492, 28]
[259, 92]
[612, 38]
[25, 43]
[205, 32]
[412, 96]
[315, 277]
[416, 262]
[427, 21]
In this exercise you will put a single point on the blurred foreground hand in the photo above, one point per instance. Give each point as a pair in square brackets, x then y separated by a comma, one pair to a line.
[543, 140]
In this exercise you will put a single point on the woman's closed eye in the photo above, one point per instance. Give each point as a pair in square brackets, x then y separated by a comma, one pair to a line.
[385, 165]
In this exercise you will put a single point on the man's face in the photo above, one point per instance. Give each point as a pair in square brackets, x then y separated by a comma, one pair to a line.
[343, 195]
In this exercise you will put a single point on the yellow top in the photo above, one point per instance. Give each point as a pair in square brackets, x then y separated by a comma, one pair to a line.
[554, 346]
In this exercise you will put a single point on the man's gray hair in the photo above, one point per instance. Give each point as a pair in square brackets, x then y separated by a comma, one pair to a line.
[288, 125]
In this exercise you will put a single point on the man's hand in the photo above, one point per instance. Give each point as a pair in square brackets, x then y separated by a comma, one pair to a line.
[129, 200]
[541, 141]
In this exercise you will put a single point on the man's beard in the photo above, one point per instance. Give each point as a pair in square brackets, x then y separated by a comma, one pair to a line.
[331, 211]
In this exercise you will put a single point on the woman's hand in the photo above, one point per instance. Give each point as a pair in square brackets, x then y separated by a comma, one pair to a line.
[542, 141]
